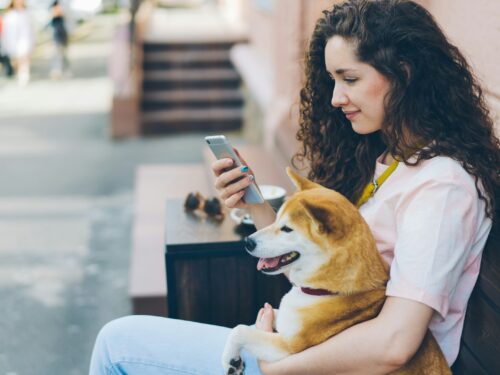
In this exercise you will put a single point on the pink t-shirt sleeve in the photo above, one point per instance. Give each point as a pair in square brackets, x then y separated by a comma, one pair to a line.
[435, 222]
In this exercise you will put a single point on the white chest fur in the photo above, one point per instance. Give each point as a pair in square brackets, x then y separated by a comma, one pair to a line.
[289, 321]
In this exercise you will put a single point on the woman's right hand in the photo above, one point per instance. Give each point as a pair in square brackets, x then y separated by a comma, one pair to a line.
[231, 182]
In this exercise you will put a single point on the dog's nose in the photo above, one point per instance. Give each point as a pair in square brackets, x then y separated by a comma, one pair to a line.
[250, 244]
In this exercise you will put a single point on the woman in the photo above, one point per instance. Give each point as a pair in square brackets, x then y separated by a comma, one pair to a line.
[18, 38]
[383, 88]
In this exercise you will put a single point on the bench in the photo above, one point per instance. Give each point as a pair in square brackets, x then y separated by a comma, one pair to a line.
[154, 184]
[480, 344]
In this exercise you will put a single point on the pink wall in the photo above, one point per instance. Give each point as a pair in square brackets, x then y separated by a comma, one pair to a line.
[262, 28]
[280, 37]
[474, 27]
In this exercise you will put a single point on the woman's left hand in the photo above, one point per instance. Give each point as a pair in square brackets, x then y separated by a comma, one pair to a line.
[265, 318]
[264, 322]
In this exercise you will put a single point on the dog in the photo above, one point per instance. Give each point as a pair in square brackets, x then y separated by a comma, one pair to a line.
[324, 246]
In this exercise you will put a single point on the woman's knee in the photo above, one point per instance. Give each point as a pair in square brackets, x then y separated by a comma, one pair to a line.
[118, 333]
[116, 327]
[113, 338]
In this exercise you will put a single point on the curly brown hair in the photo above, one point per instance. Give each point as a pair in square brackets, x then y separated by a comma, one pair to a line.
[433, 96]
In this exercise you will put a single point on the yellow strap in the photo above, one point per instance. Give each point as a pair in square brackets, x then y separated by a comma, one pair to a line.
[373, 186]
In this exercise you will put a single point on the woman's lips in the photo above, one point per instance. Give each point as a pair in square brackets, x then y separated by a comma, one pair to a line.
[351, 114]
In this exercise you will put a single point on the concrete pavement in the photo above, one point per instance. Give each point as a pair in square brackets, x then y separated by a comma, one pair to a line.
[66, 209]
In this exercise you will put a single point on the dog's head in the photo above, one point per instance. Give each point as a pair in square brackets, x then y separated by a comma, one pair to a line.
[319, 240]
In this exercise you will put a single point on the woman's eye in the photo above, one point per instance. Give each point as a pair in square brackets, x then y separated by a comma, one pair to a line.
[286, 229]
[350, 80]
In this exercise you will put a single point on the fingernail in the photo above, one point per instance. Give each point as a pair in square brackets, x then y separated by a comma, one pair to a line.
[266, 305]
[250, 177]
[229, 162]
[244, 169]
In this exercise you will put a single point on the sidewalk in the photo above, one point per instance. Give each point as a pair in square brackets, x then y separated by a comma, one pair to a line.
[66, 210]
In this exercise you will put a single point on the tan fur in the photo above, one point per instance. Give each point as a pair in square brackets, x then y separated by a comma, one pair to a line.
[351, 268]
[318, 324]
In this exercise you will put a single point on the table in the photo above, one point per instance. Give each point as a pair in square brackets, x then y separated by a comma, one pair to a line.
[210, 277]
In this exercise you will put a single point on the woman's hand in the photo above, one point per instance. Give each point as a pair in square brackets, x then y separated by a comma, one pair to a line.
[231, 181]
[230, 184]
[265, 318]
[264, 322]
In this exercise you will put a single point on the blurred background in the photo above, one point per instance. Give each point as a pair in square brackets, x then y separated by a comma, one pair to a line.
[103, 110]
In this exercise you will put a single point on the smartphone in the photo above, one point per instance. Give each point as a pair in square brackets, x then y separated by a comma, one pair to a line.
[223, 149]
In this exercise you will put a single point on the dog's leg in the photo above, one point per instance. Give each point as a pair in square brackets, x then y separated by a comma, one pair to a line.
[268, 346]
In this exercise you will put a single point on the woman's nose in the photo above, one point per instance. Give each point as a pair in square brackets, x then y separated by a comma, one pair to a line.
[339, 97]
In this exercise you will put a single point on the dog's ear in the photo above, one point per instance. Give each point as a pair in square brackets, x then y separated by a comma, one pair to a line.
[301, 183]
[320, 216]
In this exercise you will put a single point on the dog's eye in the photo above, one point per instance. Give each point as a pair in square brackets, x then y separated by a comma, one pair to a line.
[286, 229]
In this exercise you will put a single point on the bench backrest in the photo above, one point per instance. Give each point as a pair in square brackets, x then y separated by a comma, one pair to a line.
[480, 346]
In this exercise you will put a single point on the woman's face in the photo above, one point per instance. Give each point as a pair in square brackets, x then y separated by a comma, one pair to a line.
[359, 88]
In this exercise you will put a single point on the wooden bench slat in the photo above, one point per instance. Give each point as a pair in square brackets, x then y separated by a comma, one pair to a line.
[467, 364]
[489, 276]
[194, 300]
[480, 345]
[153, 185]
[482, 331]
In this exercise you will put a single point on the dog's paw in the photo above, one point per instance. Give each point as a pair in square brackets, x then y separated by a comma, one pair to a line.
[233, 366]
[236, 366]
[231, 360]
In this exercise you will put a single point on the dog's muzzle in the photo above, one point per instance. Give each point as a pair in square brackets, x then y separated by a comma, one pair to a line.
[250, 244]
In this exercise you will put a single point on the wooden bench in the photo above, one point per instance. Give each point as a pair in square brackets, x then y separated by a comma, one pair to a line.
[480, 346]
[153, 186]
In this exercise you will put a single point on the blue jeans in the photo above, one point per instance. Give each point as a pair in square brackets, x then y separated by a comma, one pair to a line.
[147, 345]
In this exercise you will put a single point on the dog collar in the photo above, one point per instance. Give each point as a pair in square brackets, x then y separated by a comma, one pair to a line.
[317, 292]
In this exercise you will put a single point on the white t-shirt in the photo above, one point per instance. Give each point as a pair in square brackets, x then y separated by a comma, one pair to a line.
[18, 36]
[431, 227]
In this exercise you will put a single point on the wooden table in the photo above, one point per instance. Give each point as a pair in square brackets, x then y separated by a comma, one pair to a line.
[210, 277]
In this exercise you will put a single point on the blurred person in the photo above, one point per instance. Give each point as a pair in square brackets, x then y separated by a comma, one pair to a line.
[18, 38]
[60, 64]
[4, 58]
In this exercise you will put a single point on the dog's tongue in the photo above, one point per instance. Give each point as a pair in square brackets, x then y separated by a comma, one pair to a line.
[267, 263]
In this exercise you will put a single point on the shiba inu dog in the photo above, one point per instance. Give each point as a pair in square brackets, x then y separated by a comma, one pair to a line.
[326, 249]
